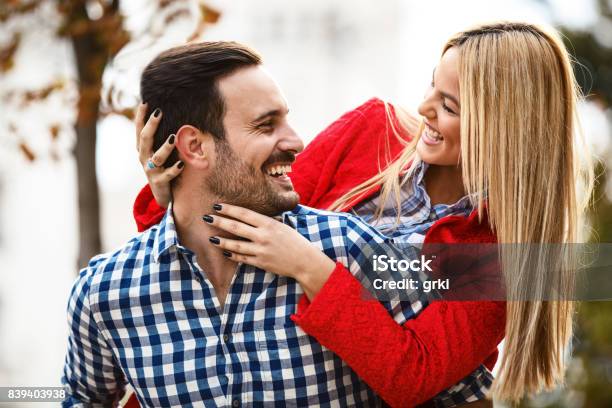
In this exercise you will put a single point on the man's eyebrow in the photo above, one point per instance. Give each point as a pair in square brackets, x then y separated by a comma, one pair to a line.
[270, 113]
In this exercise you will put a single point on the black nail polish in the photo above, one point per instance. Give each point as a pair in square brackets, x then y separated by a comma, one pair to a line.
[171, 139]
[180, 165]
[214, 240]
[217, 207]
[227, 254]
[156, 112]
[208, 219]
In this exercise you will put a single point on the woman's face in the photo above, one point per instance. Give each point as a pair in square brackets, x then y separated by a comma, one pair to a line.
[440, 142]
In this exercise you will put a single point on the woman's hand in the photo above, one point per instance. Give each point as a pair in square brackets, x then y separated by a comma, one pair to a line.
[272, 246]
[158, 176]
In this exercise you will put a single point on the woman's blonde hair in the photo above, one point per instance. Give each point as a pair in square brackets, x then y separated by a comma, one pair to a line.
[519, 156]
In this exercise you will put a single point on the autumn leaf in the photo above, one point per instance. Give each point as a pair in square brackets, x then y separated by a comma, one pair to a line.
[209, 14]
[175, 15]
[7, 54]
[54, 131]
[27, 152]
[164, 3]
[127, 113]
[10, 8]
[36, 95]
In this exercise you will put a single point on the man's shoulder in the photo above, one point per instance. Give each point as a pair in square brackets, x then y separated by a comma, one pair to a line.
[116, 264]
[310, 213]
[312, 220]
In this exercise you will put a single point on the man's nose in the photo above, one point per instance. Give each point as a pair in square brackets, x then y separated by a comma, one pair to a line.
[290, 141]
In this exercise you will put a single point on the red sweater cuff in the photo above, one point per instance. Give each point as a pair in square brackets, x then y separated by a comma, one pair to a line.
[146, 210]
[316, 313]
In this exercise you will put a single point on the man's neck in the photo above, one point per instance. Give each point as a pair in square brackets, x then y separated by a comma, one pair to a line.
[188, 207]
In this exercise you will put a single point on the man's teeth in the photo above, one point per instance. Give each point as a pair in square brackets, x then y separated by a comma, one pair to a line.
[433, 134]
[278, 170]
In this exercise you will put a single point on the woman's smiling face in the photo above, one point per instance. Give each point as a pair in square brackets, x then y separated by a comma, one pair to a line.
[440, 142]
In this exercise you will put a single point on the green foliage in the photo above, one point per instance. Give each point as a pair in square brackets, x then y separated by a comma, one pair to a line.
[589, 380]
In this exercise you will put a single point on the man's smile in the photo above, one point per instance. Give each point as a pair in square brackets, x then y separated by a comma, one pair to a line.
[277, 173]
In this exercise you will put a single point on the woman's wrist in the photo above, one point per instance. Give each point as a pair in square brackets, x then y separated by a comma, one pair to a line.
[161, 200]
[312, 277]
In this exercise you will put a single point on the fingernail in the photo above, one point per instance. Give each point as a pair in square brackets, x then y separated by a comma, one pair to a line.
[227, 254]
[217, 207]
[156, 112]
[181, 164]
[208, 219]
[171, 139]
[214, 240]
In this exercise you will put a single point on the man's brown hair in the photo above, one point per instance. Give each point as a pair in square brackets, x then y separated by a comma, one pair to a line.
[182, 82]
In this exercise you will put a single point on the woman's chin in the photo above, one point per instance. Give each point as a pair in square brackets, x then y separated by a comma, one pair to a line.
[436, 155]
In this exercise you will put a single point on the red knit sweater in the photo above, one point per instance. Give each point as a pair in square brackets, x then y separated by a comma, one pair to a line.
[405, 364]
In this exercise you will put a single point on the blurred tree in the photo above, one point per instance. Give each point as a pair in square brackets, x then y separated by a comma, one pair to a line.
[594, 329]
[96, 31]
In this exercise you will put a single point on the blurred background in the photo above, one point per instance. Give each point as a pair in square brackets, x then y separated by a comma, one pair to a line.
[69, 80]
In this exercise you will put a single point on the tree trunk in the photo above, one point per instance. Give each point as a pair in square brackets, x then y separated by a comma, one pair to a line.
[94, 44]
[90, 61]
[87, 184]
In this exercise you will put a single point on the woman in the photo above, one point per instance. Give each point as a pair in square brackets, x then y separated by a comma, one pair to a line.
[494, 159]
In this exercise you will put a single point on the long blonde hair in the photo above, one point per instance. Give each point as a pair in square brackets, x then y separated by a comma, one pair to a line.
[518, 99]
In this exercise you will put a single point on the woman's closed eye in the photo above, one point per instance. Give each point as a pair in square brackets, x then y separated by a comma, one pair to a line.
[446, 108]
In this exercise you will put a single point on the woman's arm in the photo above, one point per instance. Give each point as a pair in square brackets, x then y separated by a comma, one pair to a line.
[405, 364]
[348, 152]
[150, 204]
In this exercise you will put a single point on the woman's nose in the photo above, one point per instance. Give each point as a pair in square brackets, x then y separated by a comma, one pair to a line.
[426, 109]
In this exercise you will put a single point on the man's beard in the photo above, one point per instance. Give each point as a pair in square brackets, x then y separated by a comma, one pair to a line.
[235, 182]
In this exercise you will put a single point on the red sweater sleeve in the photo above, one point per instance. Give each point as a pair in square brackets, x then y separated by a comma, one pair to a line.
[349, 151]
[406, 364]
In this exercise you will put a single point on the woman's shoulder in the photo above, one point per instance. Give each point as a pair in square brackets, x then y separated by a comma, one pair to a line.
[378, 110]
[371, 116]
[474, 228]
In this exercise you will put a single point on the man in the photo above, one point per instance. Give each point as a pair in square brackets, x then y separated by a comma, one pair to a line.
[170, 314]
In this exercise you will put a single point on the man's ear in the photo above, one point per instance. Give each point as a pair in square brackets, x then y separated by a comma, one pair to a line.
[194, 146]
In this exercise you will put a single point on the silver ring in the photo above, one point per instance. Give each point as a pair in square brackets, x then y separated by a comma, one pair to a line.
[150, 164]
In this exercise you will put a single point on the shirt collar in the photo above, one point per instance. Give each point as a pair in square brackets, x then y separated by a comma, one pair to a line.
[165, 236]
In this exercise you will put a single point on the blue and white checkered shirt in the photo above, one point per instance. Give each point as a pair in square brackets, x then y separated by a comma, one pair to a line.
[146, 314]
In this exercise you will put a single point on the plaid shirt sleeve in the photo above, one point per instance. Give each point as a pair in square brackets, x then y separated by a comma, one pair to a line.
[362, 242]
[91, 378]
